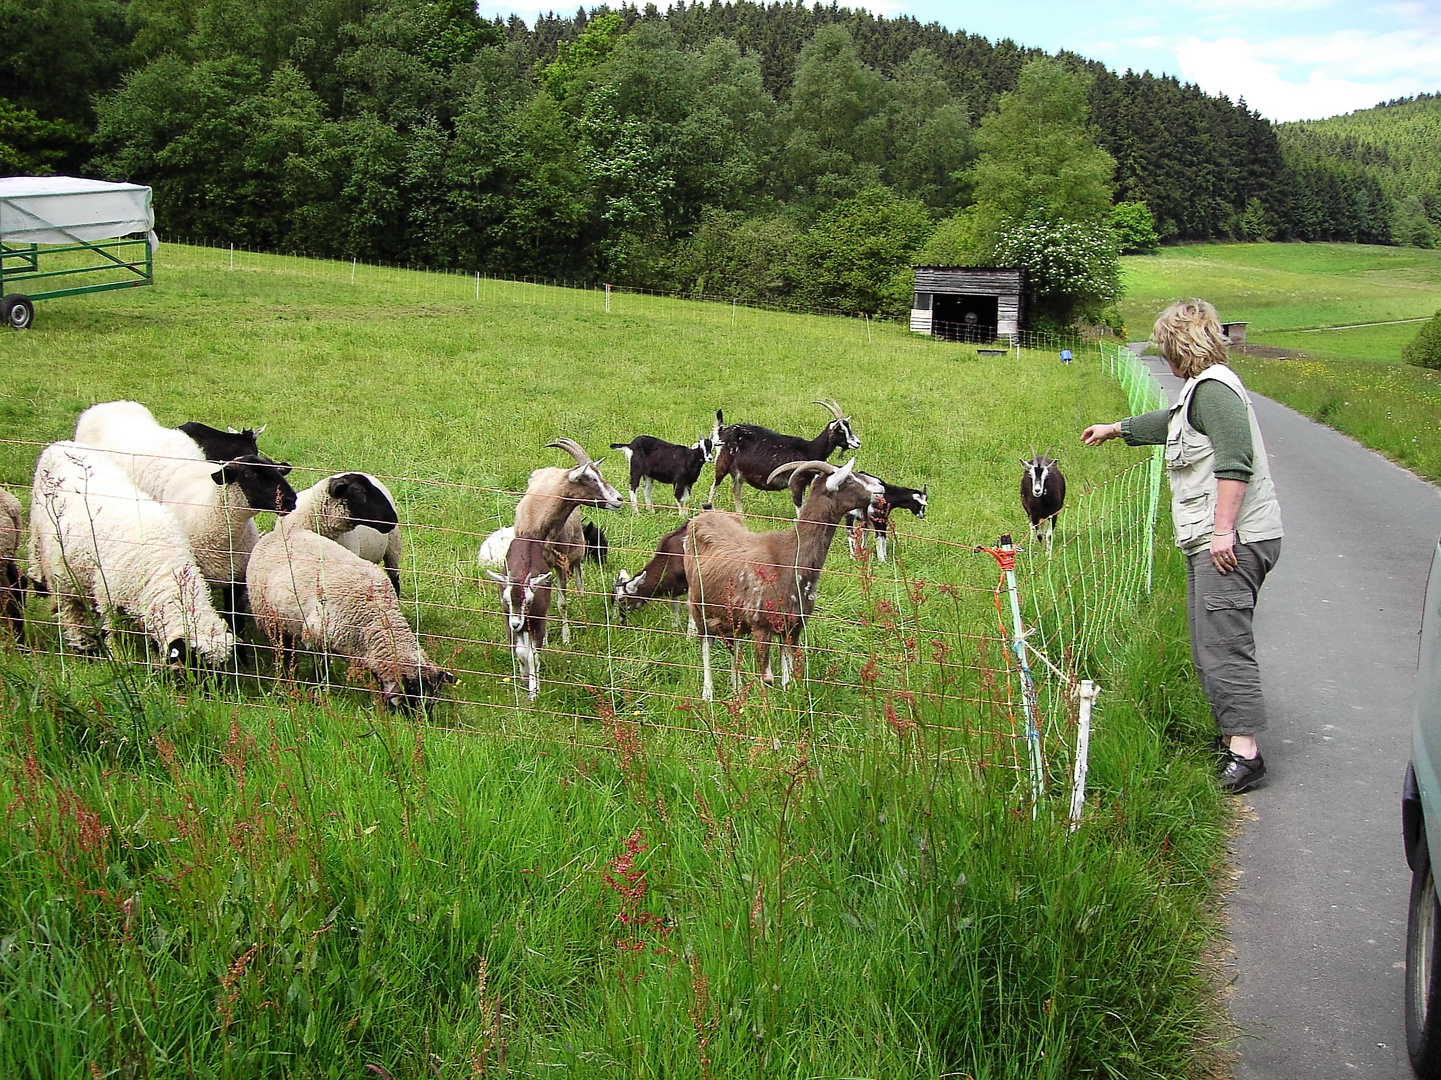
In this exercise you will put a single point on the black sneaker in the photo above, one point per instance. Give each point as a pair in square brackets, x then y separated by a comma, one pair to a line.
[1238, 774]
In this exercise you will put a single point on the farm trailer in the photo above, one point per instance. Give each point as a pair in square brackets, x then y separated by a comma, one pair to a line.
[70, 235]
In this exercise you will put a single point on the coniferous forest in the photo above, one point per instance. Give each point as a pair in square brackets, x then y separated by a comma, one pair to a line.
[735, 147]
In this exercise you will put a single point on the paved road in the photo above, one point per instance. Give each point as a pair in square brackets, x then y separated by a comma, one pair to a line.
[1318, 914]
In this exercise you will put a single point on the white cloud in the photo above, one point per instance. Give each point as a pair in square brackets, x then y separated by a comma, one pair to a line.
[1253, 70]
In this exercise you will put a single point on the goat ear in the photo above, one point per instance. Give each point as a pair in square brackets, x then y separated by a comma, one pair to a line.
[635, 583]
[1026, 463]
[499, 579]
[284, 467]
[839, 477]
[924, 489]
[540, 579]
[260, 430]
[575, 474]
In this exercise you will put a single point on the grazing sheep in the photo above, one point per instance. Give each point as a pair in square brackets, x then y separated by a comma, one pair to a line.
[1043, 492]
[100, 544]
[750, 453]
[12, 593]
[358, 512]
[494, 547]
[764, 584]
[306, 587]
[653, 459]
[525, 594]
[216, 506]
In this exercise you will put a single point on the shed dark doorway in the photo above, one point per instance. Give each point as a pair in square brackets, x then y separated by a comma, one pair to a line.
[965, 318]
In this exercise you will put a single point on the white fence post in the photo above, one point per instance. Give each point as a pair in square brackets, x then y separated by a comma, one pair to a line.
[1088, 694]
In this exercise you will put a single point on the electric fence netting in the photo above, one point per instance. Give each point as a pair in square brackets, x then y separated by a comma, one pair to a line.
[974, 660]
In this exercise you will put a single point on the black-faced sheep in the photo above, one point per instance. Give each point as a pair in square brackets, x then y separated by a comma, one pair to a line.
[102, 546]
[371, 525]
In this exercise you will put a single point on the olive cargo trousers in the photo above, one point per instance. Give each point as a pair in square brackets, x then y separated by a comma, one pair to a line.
[1219, 608]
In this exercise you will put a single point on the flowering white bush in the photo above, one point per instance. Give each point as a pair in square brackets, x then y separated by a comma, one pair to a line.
[1071, 268]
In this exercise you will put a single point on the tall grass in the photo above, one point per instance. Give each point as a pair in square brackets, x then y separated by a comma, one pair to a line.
[246, 877]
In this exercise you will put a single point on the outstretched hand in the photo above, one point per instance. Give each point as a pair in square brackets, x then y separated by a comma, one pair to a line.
[1097, 434]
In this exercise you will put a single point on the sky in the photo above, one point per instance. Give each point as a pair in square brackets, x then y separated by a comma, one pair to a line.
[1289, 59]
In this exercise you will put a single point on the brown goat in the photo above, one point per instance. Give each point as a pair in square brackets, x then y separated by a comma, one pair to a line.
[764, 584]
[525, 593]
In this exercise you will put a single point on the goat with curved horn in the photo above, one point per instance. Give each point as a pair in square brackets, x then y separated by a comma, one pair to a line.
[750, 454]
[571, 447]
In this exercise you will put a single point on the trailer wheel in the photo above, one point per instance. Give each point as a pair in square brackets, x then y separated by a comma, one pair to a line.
[17, 311]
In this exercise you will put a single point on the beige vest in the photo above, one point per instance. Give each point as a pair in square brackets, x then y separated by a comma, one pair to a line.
[1190, 462]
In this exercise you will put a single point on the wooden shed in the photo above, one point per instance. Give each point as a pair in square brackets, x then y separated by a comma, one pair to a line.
[967, 303]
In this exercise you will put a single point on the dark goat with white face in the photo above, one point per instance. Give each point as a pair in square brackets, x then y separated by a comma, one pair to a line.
[663, 578]
[653, 459]
[751, 454]
[876, 519]
[525, 594]
[1043, 492]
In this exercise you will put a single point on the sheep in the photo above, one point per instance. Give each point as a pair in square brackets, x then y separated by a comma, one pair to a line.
[219, 445]
[308, 588]
[12, 593]
[877, 521]
[1043, 492]
[549, 512]
[367, 510]
[216, 506]
[494, 547]
[653, 459]
[525, 595]
[662, 578]
[765, 584]
[749, 453]
[100, 544]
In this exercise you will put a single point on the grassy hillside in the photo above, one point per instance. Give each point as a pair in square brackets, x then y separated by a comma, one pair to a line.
[249, 876]
[1351, 379]
[1397, 142]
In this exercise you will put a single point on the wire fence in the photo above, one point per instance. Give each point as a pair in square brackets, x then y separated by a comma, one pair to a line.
[942, 649]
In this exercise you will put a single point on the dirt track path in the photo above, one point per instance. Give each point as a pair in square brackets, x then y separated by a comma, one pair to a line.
[1318, 913]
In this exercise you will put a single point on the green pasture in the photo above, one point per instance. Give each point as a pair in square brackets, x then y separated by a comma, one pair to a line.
[258, 876]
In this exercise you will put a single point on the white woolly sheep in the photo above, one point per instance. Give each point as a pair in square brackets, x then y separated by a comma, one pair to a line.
[100, 544]
[12, 595]
[358, 512]
[305, 587]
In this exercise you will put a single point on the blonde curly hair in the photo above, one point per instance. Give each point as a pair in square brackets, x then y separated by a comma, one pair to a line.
[1188, 333]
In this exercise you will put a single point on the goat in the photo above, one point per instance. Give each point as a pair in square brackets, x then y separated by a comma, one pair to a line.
[876, 520]
[663, 578]
[653, 459]
[1043, 491]
[765, 584]
[549, 512]
[525, 596]
[750, 453]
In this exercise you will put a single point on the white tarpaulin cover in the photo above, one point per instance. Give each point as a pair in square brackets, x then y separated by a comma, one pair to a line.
[68, 209]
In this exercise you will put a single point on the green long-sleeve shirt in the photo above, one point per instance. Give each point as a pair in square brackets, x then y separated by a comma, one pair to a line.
[1216, 412]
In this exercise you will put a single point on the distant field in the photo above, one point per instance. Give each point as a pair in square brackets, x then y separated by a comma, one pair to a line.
[1283, 288]
[266, 877]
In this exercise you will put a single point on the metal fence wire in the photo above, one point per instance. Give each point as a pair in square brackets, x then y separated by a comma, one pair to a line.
[958, 663]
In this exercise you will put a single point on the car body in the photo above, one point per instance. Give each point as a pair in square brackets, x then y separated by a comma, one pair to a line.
[1421, 833]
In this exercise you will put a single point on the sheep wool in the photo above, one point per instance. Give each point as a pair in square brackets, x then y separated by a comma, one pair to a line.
[306, 587]
[12, 597]
[336, 507]
[103, 545]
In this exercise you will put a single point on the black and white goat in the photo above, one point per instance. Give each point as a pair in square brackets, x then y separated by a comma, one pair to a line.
[663, 578]
[1043, 492]
[751, 454]
[653, 459]
[877, 519]
[525, 594]
[765, 584]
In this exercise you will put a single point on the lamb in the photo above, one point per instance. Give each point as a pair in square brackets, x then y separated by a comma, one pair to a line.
[1043, 492]
[525, 595]
[548, 512]
[765, 584]
[749, 453]
[877, 521]
[216, 506]
[367, 510]
[100, 544]
[12, 593]
[306, 587]
[662, 578]
[653, 459]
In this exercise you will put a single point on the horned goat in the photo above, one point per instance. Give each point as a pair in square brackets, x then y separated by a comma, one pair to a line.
[653, 459]
[1043, 492]
[875, 521]
[549, 512]
[752, 454]
[764, 584]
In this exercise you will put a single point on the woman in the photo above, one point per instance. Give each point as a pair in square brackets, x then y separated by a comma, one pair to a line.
[1227, 520]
